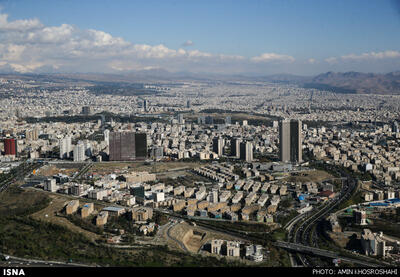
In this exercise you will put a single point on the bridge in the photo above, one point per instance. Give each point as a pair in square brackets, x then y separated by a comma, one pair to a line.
[321, 252]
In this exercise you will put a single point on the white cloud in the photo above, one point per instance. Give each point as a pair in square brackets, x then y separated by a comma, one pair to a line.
[312, 61]
[18, 25]
[331, 60]
[272, 57]
[188, 43]
[389, 54]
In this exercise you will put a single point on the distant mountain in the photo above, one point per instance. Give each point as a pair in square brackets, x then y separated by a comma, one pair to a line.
[338, 82]
[357, 82]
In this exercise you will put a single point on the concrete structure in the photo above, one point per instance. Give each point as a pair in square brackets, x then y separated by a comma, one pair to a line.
[216, 246]
[246, 151]
[233, 248]
[290, 141]
[114, 211]
[253, 253]
[235, 147]
[101, 219]
[65, 147]
[50, 185]
[218, 145]
[127, 146]
[373, 244]
[72, 207]
[87, 209]
[142, 213]
[10, 147]
[79, 152]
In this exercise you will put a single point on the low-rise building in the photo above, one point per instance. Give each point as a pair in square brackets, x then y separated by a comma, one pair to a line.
[72, 207]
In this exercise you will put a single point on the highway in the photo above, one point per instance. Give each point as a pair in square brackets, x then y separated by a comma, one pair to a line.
[320, 252]
[301, 230]
[16, 261]
[22, 170]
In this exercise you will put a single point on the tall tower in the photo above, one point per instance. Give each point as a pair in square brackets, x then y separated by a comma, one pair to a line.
[290, 141]
[246, 151]
[218, 145]
[10, 146]
[79, 152]
[235, 147]
[65, 147]
[127, 146]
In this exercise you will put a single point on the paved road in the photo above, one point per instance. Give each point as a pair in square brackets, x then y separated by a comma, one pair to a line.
[16, 261]
[321, 252]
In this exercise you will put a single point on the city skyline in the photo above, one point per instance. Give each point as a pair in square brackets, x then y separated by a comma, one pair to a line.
[252, 37]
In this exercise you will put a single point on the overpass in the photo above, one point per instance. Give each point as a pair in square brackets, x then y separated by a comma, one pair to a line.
[321, 252]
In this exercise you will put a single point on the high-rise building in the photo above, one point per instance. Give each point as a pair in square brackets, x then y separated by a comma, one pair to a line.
[290, 141]
[106, 136]
[157, 152]
[79, 152]
[218, 145]
[246, 151]
[181, 120]
[235, 147]
[85, 110]
[188, 104]
[127, 146]
[146, 105]
[395, 127]
[65, 147]
[201, 120]
[209, 120]
[10, 147]
[228, 120]
[88, 148]
[32, 134]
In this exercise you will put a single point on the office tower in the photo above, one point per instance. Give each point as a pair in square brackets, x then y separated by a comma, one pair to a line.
[246, 151]
[103, 119]
[235, 147]
[106, 135]
[209, 120]
[127, 146]
[65, 147]
[10, 147]
[32, 134]
[79, 152]
[157, 152]
[228, 120]
[244, 123]
[218, 145]
[145, 105]
[88, 148]
[290, 141]
[85, 110]
[395, 127]
[201, 120]
[188, 104]
[180, 119]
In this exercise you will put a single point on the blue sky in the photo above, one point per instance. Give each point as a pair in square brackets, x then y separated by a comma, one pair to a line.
[309, 31]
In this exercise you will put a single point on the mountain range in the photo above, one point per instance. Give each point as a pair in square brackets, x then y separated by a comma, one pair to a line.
[339, 82]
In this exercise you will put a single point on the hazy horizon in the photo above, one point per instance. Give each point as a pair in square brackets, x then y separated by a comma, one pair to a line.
[302, 38]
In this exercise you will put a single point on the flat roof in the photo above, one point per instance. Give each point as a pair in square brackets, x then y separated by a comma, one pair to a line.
[113, 209]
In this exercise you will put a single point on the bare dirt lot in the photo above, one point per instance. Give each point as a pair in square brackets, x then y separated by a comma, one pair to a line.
[309, 176]
[51, 170]
[193, 237]
[48, 214]
[158, 167]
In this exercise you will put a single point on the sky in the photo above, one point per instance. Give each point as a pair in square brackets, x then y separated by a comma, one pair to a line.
[261, 37]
